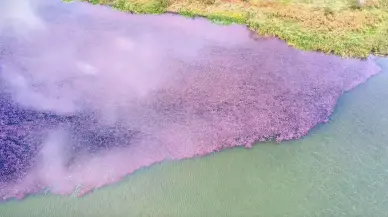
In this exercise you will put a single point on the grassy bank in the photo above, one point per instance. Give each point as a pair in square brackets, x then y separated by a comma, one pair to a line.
[342, 27]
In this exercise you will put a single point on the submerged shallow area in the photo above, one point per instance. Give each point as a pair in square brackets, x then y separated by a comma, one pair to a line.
[122, 92]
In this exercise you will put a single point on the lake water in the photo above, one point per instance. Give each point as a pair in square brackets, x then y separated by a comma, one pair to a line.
[339, 169]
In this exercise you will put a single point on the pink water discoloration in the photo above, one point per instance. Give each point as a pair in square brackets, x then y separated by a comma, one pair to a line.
[119, 92]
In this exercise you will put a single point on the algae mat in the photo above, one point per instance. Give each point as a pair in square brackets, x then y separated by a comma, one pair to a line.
[339, 169]
[89, 95]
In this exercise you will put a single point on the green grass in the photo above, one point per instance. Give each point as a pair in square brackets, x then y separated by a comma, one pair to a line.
[146, 7]
[341, 27]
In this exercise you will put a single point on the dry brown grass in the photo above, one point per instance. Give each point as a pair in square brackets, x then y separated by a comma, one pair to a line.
[320, 19]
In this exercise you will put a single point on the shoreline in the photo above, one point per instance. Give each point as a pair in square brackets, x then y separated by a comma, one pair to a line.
[342, 31]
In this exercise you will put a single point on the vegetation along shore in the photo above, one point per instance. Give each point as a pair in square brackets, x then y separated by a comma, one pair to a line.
[348, 28]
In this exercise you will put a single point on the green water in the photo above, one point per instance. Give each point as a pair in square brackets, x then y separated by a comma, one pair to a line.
[340, 169]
